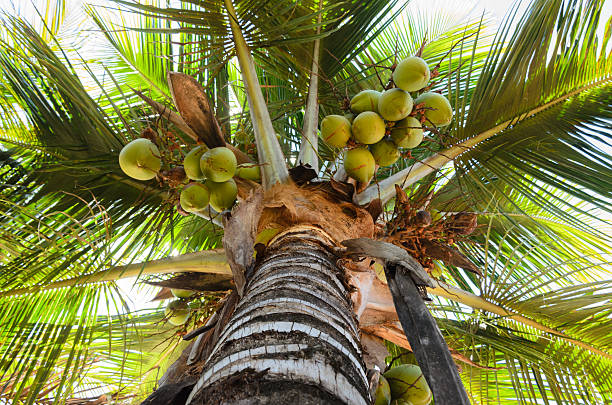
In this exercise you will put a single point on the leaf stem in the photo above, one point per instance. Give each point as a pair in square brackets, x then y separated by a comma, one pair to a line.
[207, 261]
[274, 169]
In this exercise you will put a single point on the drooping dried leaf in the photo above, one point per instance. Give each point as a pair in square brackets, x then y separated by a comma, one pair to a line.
[168, 114]
[375, 208]
[239, 236]
[194, 106]
[195, 282]
[449, 255]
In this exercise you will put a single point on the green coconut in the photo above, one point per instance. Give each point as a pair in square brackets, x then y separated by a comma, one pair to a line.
[181, 293]
[194, 197]
[368, 128]
[218, 164]
[359, 164]
[177, 313]
[140, 159]
[407, 133]
[222, 195]
[335, 130]
[191, 163]
[395, 104]
[385, 153]
[249, 171]
[365, 100]
[437, 108]
[382, 396]
[408, 383]
[411, 74]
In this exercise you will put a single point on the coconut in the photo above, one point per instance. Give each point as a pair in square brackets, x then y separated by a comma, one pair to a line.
[249, 171]
[407, 133]
[335, 130]
[218, 164]
[411, 74]
[359, 164]
[177, 313]
[194, 197]
[395, 104]
[408, 383]
[140, 159]
[385, 153]
[368, 128]
[222, 195]
[181, 293]
[191, 163]
[437, 108]
[365, 100]
[382, 396]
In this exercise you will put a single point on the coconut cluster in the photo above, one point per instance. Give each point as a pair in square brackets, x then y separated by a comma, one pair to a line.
[403, 384]
[216, 167]
[379, 123]
[209, 173]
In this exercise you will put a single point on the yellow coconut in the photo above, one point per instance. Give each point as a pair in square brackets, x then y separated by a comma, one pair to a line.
[368, 128]
[249, 171]
[408, 383]
[140, 159]
[218, 164]
[382, 396]
[191, 163]
[411, 74]
[407, 133]
[181, 293]
[438, 110]
[395, 104]
[359, 164]
[335, 130]
[385, 153]
[365, 100]
[177, 312]
[194, 197]
[222, 195]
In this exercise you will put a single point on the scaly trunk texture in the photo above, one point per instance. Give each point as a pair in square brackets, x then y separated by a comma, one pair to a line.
[292, 338]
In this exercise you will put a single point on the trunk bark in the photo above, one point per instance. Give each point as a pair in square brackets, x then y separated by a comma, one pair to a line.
[293, 337]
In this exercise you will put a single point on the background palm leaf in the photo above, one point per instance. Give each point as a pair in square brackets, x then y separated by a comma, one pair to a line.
[540, 184]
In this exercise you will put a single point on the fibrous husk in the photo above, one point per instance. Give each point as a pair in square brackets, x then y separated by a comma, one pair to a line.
[192, 103]
[289, 205]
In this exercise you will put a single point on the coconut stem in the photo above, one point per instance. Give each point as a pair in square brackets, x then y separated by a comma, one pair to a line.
[274, 169]
[309, 147]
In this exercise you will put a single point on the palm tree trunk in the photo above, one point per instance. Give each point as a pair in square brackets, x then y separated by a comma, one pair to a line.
[293, 337]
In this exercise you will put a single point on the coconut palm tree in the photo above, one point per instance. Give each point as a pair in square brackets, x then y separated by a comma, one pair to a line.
[526, 155]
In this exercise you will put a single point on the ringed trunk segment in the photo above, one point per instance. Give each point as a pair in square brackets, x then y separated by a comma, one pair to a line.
[293, 336]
